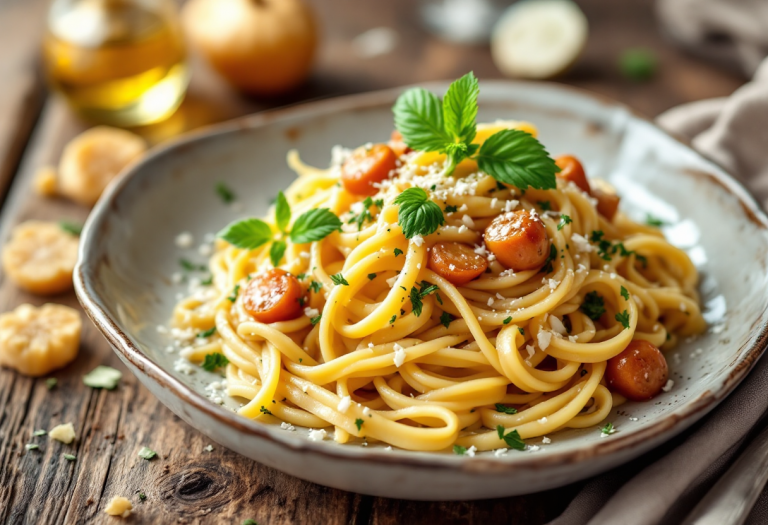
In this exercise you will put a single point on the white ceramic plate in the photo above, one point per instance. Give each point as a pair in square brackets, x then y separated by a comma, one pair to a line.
[127, 256]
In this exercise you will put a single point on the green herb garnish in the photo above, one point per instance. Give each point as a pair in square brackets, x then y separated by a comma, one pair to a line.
[226, 194]
[459, 450]
[51, 383]
[103, 377]
[445, 319]
[510, 156]
[72, 228]
[371, 276]
[650, 220]
[623, 318]
[192, 267]
[315, 286]
[316, 319]
[451, 209]
[512, 439]
[545, 205]
[207, 333]
[265, 410]
[213, 361]
[564, 219]
[338, 279]
[69, 457]
[311, 226]
[593, 306]
[638, 64]
[505, 409]
[418, 215]
[398, 251]
[624, 293]
[507, 320]
[608, 429]
[232, 297]
[359, 424]
[147, 453]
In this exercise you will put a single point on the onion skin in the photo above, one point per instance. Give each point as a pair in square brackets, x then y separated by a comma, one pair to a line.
[261, 47]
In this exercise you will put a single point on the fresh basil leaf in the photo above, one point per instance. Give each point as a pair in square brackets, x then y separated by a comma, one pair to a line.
[515, 157]
[276, 252]
[460, 108]
[248, 234]
[282, 212]
[314, 225]
[419, 118]
[418, 215]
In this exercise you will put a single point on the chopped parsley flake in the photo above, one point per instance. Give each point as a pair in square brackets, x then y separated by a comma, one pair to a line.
[265, 410]
[339, 279]
[418, 305]
[371, 276]
[192, 267]
[623, 318]
[226, 194]
[624, 293]
[445, 319]
[207, 333]
[69, 457]
[70, 227]
[398, 251]
[103, 377]
[545, 205]
[451, 209]
[394, 318]
[233, 296]
[213, 361]
[142, 496]
[551, 257]
[564, 219]
[316, 319]
[593, 306]
[459, 450]
[359, 424]
[31, 446]
[39, 433]
[522, 331]
[508, 320]
[608, 429]
[505, 409]
[315, 286]
[365, 215]
[650, 220]
[512, 439]
[147, 453]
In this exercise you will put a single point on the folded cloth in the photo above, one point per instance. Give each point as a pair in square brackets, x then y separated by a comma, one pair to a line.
[663, 486]
[729, 31]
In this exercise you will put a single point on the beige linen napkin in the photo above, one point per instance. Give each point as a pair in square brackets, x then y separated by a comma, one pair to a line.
[733, 32]
[663, 486]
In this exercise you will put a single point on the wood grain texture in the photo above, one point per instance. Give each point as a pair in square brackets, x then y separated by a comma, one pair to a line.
[185, 483]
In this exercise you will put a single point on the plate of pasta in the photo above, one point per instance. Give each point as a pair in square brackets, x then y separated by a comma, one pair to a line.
[439, 292]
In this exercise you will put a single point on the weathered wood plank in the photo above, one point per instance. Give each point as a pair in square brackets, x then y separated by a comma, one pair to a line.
[21, 88]
[186, 484]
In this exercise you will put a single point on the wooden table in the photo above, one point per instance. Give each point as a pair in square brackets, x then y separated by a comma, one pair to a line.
[187, 484]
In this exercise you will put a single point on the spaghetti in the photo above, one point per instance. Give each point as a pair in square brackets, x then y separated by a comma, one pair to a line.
[385, 348]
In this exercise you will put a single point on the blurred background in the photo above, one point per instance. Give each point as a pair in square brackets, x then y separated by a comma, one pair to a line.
[241, 56]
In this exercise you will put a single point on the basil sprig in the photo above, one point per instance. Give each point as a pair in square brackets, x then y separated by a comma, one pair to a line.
[510, 156]
[313, 225]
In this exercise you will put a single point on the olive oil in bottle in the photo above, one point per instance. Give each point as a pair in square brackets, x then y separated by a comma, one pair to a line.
[118, 62]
